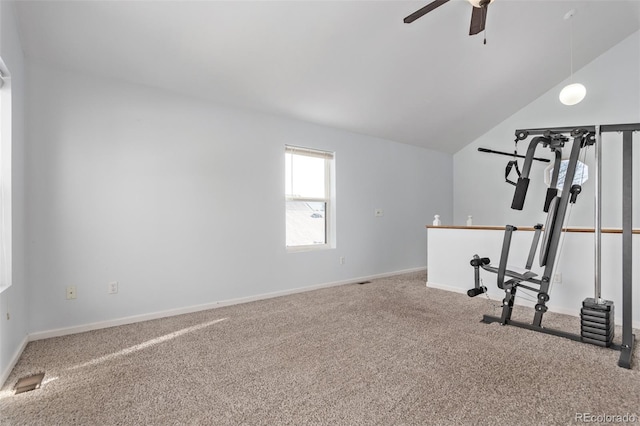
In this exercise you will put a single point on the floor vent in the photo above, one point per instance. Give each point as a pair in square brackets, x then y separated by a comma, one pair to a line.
[364, 282]
[29, 383]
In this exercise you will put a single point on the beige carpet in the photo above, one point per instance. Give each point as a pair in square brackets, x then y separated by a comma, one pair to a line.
[384, 353]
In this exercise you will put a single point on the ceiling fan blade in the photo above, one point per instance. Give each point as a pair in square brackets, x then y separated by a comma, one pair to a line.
[478, 19]
[423, 11]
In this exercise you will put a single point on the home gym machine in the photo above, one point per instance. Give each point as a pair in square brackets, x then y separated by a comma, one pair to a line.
[597, 315]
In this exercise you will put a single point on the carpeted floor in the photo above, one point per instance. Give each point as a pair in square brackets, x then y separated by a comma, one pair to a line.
[384, 353]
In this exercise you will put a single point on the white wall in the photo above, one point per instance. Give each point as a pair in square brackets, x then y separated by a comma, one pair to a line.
[613, 97]
[13, 330]
[181, 201]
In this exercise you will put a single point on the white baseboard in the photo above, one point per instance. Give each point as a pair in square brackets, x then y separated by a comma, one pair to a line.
[39, 335]
[445, 287]
[530, 304]
[14, 360]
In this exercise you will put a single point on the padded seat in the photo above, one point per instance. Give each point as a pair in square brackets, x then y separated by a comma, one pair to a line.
[519, 274]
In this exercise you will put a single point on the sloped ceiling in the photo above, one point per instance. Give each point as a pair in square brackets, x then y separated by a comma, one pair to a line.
[352, 65]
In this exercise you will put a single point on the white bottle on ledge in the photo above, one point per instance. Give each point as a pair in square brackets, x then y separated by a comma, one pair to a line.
[436, 220]
[469, 220]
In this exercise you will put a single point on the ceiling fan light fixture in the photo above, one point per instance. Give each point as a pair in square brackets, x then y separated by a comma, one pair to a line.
[572, 94]
[479, 3]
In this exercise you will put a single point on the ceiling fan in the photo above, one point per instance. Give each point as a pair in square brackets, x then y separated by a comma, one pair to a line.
[478, 15]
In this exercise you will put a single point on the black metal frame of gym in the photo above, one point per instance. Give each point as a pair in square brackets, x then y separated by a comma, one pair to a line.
[597, 314]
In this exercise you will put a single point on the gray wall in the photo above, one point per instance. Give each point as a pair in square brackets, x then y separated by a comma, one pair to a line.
[13, 331]
[613, 96]
[181, 201]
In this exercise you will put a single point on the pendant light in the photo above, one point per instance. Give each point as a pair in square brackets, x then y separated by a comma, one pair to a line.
[573, 93]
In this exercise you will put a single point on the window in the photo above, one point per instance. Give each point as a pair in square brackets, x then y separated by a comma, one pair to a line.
[308, 192]
[5, 178]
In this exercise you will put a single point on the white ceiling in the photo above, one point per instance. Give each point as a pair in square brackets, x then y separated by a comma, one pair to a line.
[352, 65]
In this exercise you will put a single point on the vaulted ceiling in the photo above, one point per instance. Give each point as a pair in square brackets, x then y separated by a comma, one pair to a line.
[352, 65]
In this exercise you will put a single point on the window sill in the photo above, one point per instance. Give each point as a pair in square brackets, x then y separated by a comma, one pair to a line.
[316, 247]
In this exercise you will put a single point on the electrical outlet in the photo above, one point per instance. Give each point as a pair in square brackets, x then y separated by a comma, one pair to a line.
[71, 292]
[557, 278]
[112, 288]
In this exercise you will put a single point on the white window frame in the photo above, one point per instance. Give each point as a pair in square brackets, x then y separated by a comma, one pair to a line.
[5, 179]
[328, 199]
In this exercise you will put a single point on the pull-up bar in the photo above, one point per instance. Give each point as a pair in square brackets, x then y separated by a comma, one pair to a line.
[491, 151]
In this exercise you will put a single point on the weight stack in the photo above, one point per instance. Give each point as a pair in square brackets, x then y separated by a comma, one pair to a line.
[596, 322]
